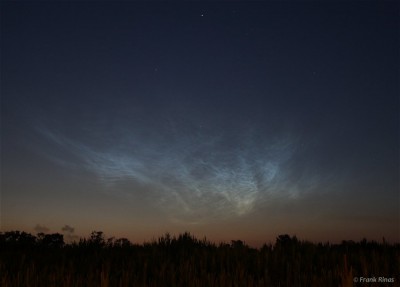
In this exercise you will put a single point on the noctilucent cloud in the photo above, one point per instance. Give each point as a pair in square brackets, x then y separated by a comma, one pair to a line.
[229, 120]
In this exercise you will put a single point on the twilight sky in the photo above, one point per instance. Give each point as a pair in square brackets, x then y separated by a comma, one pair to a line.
[230, 120]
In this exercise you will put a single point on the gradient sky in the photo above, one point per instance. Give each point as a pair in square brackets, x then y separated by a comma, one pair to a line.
[229, 120]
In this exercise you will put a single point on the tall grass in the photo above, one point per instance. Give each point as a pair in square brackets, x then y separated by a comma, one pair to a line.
[184, 260]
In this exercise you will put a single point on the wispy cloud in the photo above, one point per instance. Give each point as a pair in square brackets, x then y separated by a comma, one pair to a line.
[196, 174]
[69, 235]
[68, 229]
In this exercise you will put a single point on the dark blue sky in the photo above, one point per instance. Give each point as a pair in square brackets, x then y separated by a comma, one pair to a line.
[227, 119]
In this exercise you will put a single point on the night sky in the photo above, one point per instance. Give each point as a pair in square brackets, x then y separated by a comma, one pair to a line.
[229, 120]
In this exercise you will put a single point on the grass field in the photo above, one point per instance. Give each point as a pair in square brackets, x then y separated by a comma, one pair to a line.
[45, 260]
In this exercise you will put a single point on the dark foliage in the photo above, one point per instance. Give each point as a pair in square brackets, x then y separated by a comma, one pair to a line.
[45, 260]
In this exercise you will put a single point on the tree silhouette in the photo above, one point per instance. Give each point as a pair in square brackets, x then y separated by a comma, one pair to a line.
[51, 240]
[183, 260]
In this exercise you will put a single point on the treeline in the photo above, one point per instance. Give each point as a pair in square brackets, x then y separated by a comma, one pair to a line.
[183, 260]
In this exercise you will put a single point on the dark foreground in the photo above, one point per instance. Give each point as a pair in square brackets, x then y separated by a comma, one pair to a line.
[45, 260]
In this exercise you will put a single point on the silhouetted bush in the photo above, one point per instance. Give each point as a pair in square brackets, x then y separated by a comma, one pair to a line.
[183, 260]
